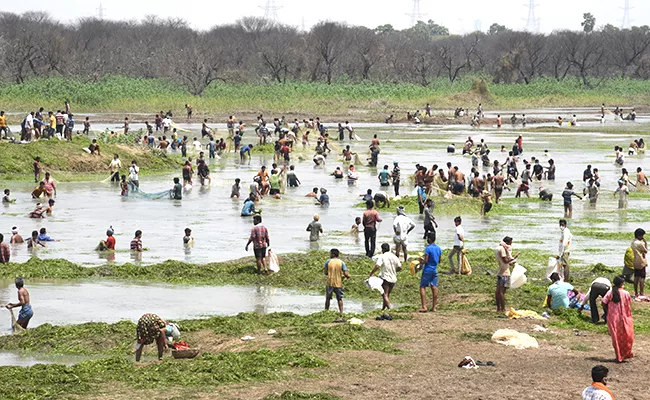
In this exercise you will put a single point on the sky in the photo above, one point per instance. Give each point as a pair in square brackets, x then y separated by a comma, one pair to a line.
[463, 17]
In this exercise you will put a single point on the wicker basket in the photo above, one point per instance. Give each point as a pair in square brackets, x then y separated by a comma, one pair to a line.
[186, 353]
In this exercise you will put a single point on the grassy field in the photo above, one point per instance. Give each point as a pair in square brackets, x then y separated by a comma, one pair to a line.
[358, 101]
[67, 161]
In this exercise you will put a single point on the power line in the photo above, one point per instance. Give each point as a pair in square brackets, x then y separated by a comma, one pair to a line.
[532, 23]
[626, 24]
[270, 10]
[416, 15]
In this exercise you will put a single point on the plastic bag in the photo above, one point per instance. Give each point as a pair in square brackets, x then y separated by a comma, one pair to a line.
[516, 339]
[274, 264]
[375, 283]
[518, 277]
[628, 260]
[465, 267]
[553, 266]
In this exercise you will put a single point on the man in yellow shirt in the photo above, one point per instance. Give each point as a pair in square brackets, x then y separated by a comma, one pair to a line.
[335, 270]
[3, 125]
[52, 120]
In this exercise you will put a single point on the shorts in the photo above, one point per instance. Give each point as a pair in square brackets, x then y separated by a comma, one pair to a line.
[59, 129]
[640, 273]
[488, 207]
[384, 184]
[337, 290]
[260, 252]
[399, 241]
[564, 259]
[273, 192]
[26, 312]
[390, 285]
[429, 278]
[503, 281]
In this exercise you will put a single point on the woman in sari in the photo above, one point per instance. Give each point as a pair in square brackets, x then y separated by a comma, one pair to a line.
[619, 319]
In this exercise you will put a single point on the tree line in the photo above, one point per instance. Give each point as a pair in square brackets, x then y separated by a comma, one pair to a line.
[260, 51]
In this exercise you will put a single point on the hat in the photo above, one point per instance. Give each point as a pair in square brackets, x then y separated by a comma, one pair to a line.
[323, 190]
[316, 217]
[14, 230]
[38, 205]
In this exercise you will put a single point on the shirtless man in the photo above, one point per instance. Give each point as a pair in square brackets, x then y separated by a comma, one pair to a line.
[26, 312]
[498, 183]
[641, 178]
[459, 186]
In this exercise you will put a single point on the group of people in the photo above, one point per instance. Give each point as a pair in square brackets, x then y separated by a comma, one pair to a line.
[427, 182]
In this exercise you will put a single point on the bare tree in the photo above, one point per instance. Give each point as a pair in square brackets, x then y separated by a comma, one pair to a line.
[277, 48]
[455, 55]
[368, 47]
[626, 47]
[327, 39]
[584, 52]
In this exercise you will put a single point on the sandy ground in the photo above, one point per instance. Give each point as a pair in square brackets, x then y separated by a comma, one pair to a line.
[433, 346]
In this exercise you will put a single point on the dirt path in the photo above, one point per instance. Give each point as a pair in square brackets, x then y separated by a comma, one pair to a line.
[433, 346]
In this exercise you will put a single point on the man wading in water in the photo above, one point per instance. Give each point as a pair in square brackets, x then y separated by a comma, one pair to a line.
[26, 312]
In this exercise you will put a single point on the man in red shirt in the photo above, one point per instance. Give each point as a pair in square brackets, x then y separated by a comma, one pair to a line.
[110, 240]
[260, 239]
[370, 219]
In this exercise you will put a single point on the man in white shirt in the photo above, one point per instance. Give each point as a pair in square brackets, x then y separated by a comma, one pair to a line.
[167, 123]
[459, 244]
[134, 177]
[564, 249]
[402, 226]
[599, 288]
[598, 389]
[197, 145]
[389, 264]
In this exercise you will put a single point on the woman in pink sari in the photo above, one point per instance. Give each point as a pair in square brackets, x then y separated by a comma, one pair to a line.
[619, 319]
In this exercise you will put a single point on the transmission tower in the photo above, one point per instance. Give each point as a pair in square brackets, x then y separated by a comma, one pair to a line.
[270, 10]
[416, 15]
[532, 23]
[100, 11]
[626, 16]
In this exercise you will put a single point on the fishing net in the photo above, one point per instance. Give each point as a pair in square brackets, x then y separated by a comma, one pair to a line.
[136, 192]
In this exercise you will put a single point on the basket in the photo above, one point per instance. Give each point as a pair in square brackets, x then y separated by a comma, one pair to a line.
[186, 353]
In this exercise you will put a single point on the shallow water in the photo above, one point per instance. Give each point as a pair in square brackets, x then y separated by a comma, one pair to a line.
[85, 209]
[60, 303]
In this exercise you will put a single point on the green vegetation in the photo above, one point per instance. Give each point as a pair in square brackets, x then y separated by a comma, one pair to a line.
[129, 95]
[68, 161]
[209, 370]
[603, 234]
[299, 333]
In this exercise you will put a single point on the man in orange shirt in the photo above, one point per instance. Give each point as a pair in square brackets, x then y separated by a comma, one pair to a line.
[264, 180]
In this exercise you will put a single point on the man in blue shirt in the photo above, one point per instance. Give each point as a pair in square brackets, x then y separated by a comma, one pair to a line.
[383, 176]
[43, 237]
[558, 292]
[244, 150]
[249, 207]
[430, 273]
